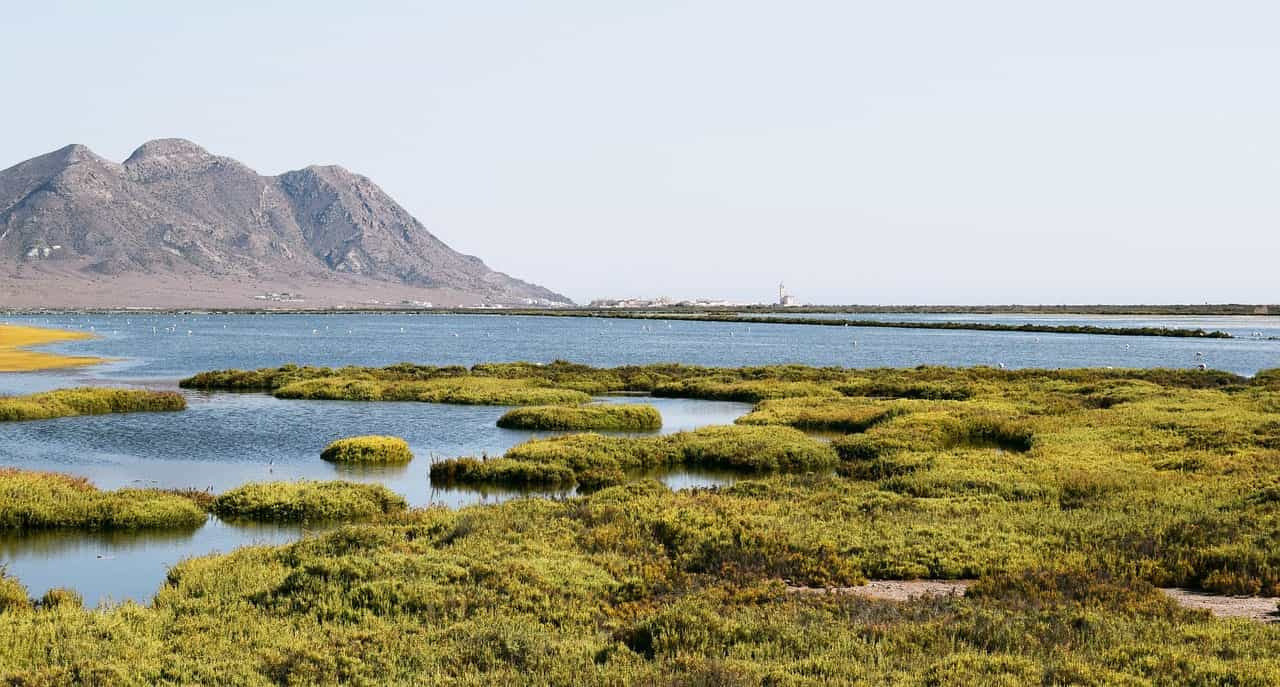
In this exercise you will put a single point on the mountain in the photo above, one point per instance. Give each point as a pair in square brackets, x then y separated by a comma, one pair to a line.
[174, 225]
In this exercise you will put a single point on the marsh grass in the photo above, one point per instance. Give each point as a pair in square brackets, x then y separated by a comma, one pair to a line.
[618, 417]
[87, 401]
[1068, 495]
[460, 390]
[381, 450]
[44, 500]
[501, 472]
[822, 414]
[307, 501]
[594, 461]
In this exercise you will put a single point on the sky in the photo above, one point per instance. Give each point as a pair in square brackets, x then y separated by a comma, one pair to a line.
[988, 151]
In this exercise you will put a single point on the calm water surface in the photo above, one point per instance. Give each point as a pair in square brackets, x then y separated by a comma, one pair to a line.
[224, 440]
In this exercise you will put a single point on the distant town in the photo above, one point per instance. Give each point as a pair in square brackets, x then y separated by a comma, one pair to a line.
[785, 300]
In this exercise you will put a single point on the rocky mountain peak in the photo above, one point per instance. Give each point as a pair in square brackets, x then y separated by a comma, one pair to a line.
[175, 208]
[173, 148]
[167, 157]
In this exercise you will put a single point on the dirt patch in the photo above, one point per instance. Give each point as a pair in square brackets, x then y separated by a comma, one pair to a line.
[893, 590]
[1259, 608]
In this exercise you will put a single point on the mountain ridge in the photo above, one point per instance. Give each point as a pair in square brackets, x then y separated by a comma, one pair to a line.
[173, 210]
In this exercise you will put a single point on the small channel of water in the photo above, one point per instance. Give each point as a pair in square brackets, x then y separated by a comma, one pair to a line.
[225, 440]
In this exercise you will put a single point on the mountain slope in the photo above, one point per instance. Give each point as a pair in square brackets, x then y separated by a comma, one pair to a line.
[79, 230]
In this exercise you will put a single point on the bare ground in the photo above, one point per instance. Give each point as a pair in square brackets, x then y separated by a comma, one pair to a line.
[65, 286]
[1257, 608]
[893, 590]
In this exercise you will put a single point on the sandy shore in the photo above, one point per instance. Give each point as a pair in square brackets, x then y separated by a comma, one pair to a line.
[16, 339]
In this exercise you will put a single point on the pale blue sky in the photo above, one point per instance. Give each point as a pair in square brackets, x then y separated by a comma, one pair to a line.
[868, 152]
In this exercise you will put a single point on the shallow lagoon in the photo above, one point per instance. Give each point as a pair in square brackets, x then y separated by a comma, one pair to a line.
[159, 346]
[224, 440]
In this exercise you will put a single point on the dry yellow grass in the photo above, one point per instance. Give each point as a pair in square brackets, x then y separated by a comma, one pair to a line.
[16, 339]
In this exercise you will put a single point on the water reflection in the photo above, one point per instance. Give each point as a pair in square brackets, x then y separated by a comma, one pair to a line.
[225, 440]
[119, 566]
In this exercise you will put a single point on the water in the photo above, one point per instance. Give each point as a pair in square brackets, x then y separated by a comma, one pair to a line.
[251, 341]
[224, 440]
[107, 567]
[1243, 326]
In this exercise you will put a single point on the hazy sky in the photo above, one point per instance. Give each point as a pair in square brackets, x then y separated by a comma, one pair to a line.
[867, 152]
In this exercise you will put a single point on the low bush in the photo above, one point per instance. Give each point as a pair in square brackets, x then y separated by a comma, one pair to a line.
[618, 417]
[61, 597]
[747, 391]
[501, 471]
[307, 501]
[930, 391]
[822, 414]
[755, 449]
[594, 461]
[87, 401]
[368, 449]
[459, 390]
[13, 596]
[42, 500]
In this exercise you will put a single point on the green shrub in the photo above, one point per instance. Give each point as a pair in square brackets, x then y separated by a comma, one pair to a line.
[501, 471]
[930, 391]
[368, 449]
[60, 597]
[87, 401]
[13, 596]
[821, 414]
[757, 449]
[603, 416]
[42, 500]
[307, 501]
[594, 461]
[718, 389]
[458, 390]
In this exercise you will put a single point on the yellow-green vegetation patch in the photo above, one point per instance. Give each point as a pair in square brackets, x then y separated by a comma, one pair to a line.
[87, 401]
[307, 501]
[44, 500]
[594, 460]
[502, 472]
[748, 391]
[823, 414]
[368, 449]
[621, 417]
[1134, 479]
[459, 390]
